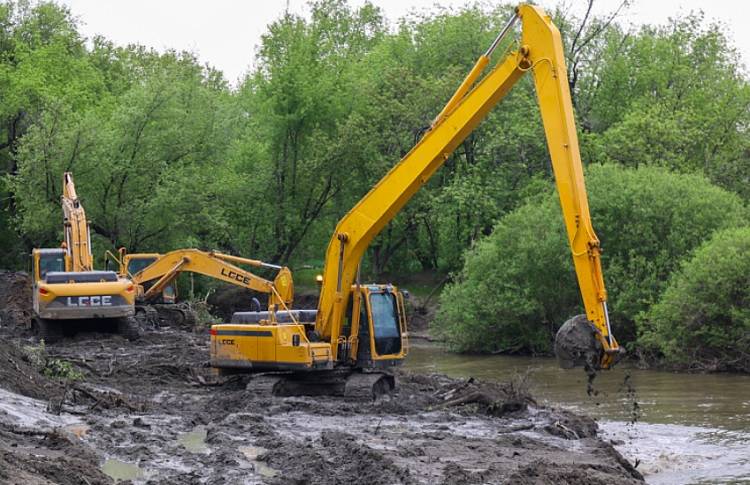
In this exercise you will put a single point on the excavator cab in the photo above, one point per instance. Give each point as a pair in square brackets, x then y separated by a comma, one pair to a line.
[374, 331]
[132, 264]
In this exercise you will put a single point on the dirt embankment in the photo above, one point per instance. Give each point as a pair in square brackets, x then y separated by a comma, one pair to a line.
[142, 408]
[15, 299]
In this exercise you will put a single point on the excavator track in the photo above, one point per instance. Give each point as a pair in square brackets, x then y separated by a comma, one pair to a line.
[128, 328]
[265, 385]
[48, 330]
[147, 316]
[369, 385]
[350, 384]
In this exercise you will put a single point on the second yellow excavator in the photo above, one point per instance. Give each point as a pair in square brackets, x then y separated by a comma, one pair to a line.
[154, 275]
[359, 330]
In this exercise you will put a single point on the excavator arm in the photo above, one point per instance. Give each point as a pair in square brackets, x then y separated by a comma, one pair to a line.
[77, 236]
[541, 53]
[218, 266]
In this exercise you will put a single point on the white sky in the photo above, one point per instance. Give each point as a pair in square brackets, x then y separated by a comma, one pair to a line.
[225, 33]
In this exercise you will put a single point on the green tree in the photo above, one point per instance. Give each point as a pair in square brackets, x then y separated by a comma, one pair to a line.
[294, 102]
[702, 321]
[143, 162]
[518, 285]
[675, 96]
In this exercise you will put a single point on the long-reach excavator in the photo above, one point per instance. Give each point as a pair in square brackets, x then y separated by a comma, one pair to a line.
[359, 330]
[154, 275]
[66, 287]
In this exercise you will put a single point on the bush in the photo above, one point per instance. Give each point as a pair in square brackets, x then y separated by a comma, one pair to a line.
[702, 320]
[518, 285]
[55, 368]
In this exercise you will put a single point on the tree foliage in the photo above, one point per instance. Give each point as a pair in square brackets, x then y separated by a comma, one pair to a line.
[518, 285]
[702, 321]
[166, 154]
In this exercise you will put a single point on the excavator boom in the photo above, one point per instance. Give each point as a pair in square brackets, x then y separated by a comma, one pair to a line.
[540, 52]
[218, 266]
[77, 237]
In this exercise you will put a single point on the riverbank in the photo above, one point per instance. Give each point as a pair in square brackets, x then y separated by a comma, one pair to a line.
[689, 428]
[141, 412]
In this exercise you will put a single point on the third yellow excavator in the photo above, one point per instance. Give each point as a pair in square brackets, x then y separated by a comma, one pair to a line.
[359, 330]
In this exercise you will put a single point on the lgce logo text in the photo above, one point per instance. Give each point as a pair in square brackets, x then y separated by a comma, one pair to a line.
[89, 301]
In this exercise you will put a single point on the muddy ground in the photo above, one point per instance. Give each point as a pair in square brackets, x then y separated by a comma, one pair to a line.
[142, 411]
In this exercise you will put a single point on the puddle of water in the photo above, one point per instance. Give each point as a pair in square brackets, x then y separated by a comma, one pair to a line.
[195, 440]
[264, 470]
[30, 413]
[119, 470]
[252, 453]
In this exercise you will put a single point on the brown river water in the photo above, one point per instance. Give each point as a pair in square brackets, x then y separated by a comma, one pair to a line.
[679, 428]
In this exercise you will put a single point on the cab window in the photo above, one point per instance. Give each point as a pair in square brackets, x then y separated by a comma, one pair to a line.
[50, 262]
[385, 323]
[138, 264]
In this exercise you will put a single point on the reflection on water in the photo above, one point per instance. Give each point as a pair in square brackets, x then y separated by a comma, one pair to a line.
[692, 428]
[194, 440]
[119, 470]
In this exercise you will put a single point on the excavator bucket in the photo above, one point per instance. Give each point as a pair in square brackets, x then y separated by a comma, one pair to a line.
[577, 344]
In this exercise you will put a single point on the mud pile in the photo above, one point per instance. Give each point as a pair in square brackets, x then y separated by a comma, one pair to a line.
[15, 299]
[145, 404]
[45, 456]
[34, 448]
[227, 300]
[19, 374]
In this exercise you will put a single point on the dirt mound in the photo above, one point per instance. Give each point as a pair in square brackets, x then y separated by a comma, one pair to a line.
[15, 299]
[227, 300]
[46, 457]
[423, 392]
[18, 374]
[337, 457]
[543, 472]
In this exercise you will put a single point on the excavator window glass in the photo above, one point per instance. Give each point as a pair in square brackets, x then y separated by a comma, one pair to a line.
[51, 262]
[137, 264]
[385, 323]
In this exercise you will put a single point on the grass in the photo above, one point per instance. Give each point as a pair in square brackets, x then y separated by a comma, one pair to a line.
[55, 368]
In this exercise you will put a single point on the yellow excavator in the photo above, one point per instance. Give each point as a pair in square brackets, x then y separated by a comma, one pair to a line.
[359, 330]
[67, 289]
[154, 275]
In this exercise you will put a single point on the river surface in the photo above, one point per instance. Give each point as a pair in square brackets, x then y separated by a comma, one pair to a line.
[680, 428]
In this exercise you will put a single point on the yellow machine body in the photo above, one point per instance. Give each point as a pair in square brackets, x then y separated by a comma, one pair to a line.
[280, 341]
